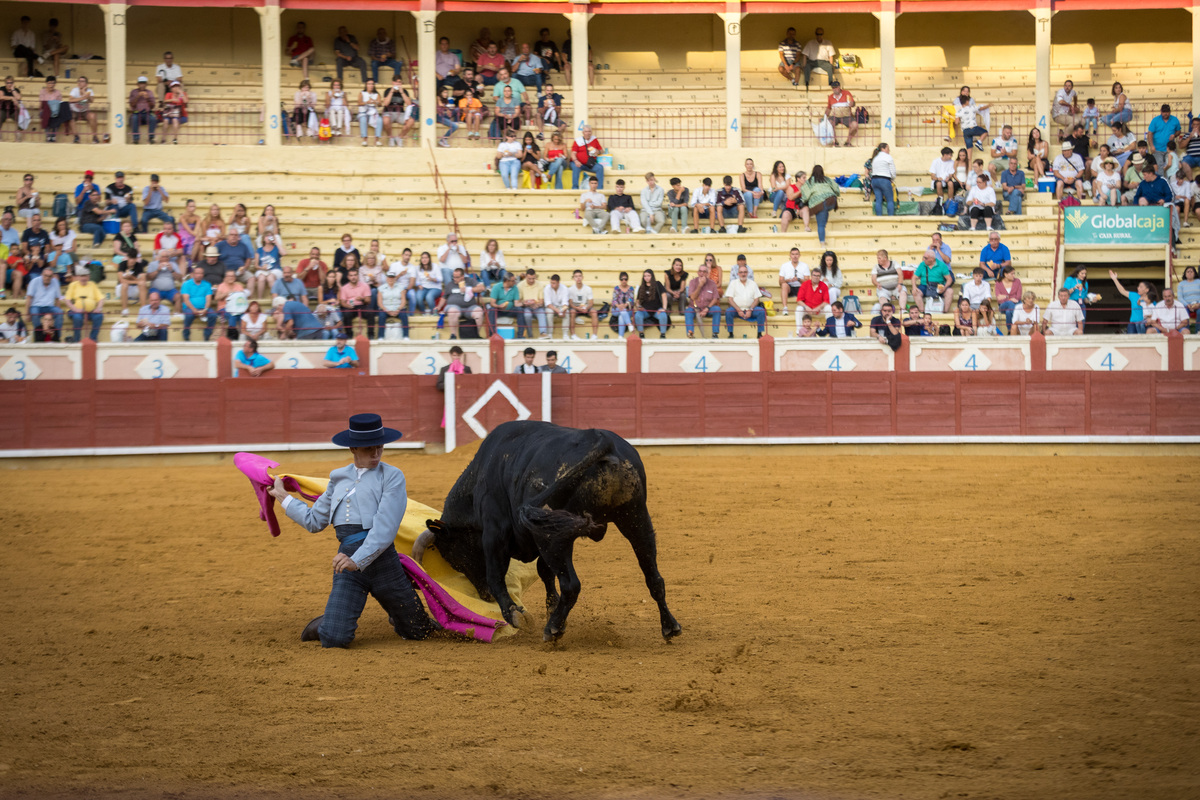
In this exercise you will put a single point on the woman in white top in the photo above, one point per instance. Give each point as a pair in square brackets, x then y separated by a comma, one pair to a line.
[62, 245]
[429, 283]
[833, 276]
[1121, 144]
[239, 222]
[779, 184]
[304, 105]
[509, 153]
[985, 320]
[1106, 186]
[883, 177]
[492, 269]
[368, 113]
[269, 223]
[962, 165]
[336, 108]
[1027, 317]
[981, 202]
[253, 322]
[1121, 111]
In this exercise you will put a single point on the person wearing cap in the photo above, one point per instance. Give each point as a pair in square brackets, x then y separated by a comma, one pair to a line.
[154, 196]
[84, 300]
[167, 72]
[341, 355]
[174, 104]
[365, 501]
[120, 199]
[84, 187]
[392, 299]
[1163, 129]
[141, 109]
[840, 110]
[1068, 170]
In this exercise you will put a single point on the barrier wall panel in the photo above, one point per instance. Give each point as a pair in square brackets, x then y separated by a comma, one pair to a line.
[603, 401]
[671, 405]
[124, 413]
[990, 403]
[13, 427]
[59, 418]
[1177, 405]
[256, 412]
[1055, 404]
[1121, 405]
[797, 404]
[924, 404]
[416, 405]
[733, 404]
[862, 405]
[309, 404]
[192, 411]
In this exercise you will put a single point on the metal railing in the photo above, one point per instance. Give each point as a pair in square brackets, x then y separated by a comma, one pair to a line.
[204, 123]
[66, 132]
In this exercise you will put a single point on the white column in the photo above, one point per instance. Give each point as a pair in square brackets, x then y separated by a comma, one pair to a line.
[114, 66]
[733, 77]
[579, 68]
[272, 65]
[1042, 94]
[1195, 9]
[427, 76]
[887, 74]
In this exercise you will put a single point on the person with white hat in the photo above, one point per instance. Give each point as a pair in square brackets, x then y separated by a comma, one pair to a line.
[141, 109]
[365, 502]
[1068, 170]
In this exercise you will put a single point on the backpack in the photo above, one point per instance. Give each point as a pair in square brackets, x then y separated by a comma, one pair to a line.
[60, 205]
[938, 210]
[1068, 201]
[951, 207]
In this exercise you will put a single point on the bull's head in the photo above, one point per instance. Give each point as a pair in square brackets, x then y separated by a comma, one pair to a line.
[461, 547]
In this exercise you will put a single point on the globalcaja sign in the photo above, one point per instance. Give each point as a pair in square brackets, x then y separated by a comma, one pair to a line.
[1135, 225]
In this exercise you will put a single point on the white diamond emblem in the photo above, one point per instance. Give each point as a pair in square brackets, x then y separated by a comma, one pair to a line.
[971, 359]
[20, 368]
[834, 360]
[1106, 359]
[154, 367]
[498, 387]
[701, 361]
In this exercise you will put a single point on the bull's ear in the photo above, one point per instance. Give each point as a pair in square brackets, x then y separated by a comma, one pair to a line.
[435, 525]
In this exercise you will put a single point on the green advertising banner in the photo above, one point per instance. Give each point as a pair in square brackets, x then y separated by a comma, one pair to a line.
[1134, 225]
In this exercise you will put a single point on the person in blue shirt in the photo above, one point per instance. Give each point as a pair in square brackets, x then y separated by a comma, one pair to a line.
[270, 259]
[341, 355]
[1163, 128]
[1012, 186]
[1077, 285]
[1153, 190]
[294, 321]
[994, 257]
[197, 295]
[249, 361]
[1139, 301]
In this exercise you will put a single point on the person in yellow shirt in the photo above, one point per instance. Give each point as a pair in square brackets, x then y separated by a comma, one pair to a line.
[84, 299]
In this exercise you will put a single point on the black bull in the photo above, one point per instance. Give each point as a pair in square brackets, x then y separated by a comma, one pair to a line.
[531, 490]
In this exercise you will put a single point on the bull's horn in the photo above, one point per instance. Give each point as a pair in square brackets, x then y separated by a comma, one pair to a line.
[423, 541]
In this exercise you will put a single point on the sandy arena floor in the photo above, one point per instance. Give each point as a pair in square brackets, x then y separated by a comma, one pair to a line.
[1008, 628]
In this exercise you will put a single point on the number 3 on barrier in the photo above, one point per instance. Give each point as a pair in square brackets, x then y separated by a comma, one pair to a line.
[20, 365]
[430, 365]
[119, 120]
[158, 368]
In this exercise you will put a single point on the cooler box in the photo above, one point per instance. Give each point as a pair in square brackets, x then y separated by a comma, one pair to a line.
[111, 226]
[605, 161]
[506, 331]
[1047, 185]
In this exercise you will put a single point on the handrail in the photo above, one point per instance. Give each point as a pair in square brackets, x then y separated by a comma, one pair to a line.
[1058, 239]
[440, 186]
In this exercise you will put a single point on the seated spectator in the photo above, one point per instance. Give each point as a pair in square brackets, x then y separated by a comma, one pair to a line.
[941, 174]
[840, 110]
[1081, 144]
[1037, 151]
[981, 203]
[372, 272]
[977, 290]
[289, 286]
[1154, 191]
[508, 156]
[250, 362]
[620, 209]
[345, 51]
[622, 306]
[552, 366]
[370, 118]
[1183, 191]
[831, 274]
[230, 301]
[556, 157]
[964, 319]
[548, 51]
[141, 110]
[675, 285]
[550, 110]
[505, 302]
[447, 63]
[527, 367]
[529, 68]
[585, 153]
[12, 330]
[399, 110]
[531, 158]
[197, 294]
[55, 110]
[703, 300]
[81, 98]
[745, 302]
[985, 320]
[382, 51]
[28, 200]
[1026, 317]
[253, 324]
[1163, 129]
[793, 202]
[169, 242]
[819, 53]
[650, 301]
[580, 303]
[1106, 187]
[84, 301]
[458, 298]
[555, 304]
[163, 276]
[293, 320]
[1012, 185]
[812, 297]
[652, 216]
[312, 272]
[232, 253]
[1068, 170]
[127, 258]
[678, 201]
[1063, 317]
[62, 247]
[10, 98]
[46, 331]
[1121, 144]
[1065, 110]
[489, 65]
[1008, 294]
[447, 114]
[532, 300]
[994, 257]
[1169, 315]
[704, 204]
[154, 319]
[1188, 290]
[471, 111]
[1189, 142]
[92, 214]
[839, 324]
[341, 355]
[119, 196]
[808, 328]
[300, 48]
[752, 188]
[932, 280]
[886, 327]
[914, 323]
[887, 278]
[731, 204]
[492, 264]
[791, 274]
[354, 303]
[790, 58]
[593, 207]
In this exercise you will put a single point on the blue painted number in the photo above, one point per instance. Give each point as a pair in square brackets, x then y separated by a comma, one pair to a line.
[158, 368]
[20, 370]
[293, 363]
[1042, 122]
[733, 125]
[274, 121]
[119, 119]
[430, 365]
[887, 126]
[836, 364]
[1107, 363]
[971, 365]
[566, 364]
[702, 364]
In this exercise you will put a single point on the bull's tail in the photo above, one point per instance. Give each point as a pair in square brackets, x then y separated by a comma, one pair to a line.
[539, 515]
[551, 524]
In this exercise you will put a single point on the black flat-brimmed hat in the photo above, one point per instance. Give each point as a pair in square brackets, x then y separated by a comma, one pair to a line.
[366, 430]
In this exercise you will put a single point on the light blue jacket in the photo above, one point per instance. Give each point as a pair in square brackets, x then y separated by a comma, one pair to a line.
[378, 504]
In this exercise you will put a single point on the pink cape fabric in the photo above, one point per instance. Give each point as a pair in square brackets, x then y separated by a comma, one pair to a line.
[448, 612]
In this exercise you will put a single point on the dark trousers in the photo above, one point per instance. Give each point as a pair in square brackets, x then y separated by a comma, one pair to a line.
[31, 57]
[369, 315]
[386, 580]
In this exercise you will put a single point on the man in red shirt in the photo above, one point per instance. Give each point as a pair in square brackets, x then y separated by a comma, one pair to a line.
[585, 152]
[841, 111]
[812, 297]
[489, 64]
[704, 299]
[300, 48]
[312, 271]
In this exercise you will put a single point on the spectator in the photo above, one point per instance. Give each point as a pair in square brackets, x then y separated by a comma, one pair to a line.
[677, 199]
[580, 301]
[505, 302]
[1189, 291]
[984, 320]
[569, 57]
[812, 297]
[492, 267]
[883, 179]
[452, 256]
[1121, 111]
[24, 46]
[1037, 150]
[1183, 191]
[820, 195]
[531, 302]
[621, 316]
[914, 323]
[585, 152]
[289, 287]
[1027, 317]
[792, 273]
[886, 327]
[704, 204]
[62, 246]
[84, 301]
[840, 110]
[745, 302]
[527, 367]
[167, 72]
[1065, 110]
[941, 174]
[967, 112]
[141, 110]
[1076, 283]
[12, 330]
[162, 275]
[556, 154]
[1008, 294]
[650, 301]
[1154, 191]
[337, 106]
[652, 217]
[312, 272]
[529, 68]
[28, 199]
[1132, 178]
[459, 297]
[249, 361]
[778, 186]
[819, 54]
[703, 300]
[794, 204]
[964, 319]
[428, 284]
[675, 285]
[489, 65]
[1081, 144]
[790, 58]
[55, 112]
[253, 324]
[1139, 301]
[398, 106]
[130, 264]
[175, 110]
[1064, 317]
[197, 294]
[1121, 144]
[1004, 152]
[550, 110]
[556, 301]
[120, 199]
[508, 156]
[300, 48]
[345, 51]
[239, 222]
[392, 301]
[1012, 184]
[1169, 315]
[548, 51]
[46, 331]
[347, 248]
[354, 302]
[552, 365]
[369, 117]
[932, 280]
[341, 355]
[53, 46]
[994, 257]
[154, 319]
[1189, 141]
[230, 301]
[731, 204]
[838, 324]
[81, 99]
[981, 203]
[531, 160]
[752, 191]
[887, 278]
[832, 275]
[1068, 170]
[35, 234]
[977, 290]
[382, 52]
[91, 214]
[10, 99]
[233, 253]
[620, 209]
[154, 197]
[209, 230]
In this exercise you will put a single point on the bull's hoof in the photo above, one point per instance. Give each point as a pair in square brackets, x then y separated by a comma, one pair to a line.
[671, 631]
[515, 616]
[551, 635]
[309, 634]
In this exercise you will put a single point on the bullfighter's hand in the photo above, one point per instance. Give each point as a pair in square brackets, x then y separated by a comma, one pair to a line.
[277, 491]
[343, 563]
